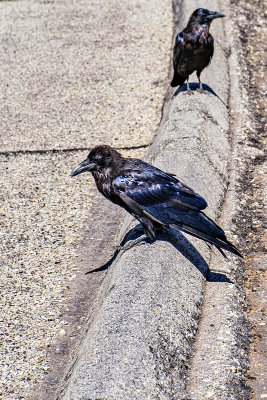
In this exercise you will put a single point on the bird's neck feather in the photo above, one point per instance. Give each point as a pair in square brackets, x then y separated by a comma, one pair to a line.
[101, 175]
[198, 28]
[105, 176]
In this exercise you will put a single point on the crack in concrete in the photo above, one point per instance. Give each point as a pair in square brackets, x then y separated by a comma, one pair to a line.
[70, 150]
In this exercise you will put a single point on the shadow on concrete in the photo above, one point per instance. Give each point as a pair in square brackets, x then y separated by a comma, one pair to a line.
[195, 87]
[180, 242]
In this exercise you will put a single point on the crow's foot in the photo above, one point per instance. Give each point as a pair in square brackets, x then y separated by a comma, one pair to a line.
[136, 242]
[188, 90]
[200, 89]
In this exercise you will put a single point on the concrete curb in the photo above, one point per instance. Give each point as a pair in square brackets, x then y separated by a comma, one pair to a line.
[140, 339]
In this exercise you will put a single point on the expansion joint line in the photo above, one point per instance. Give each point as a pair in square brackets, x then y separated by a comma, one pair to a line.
[70, 150]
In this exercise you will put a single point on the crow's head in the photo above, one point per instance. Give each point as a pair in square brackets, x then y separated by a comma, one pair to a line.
[202, 16]
[100, 158]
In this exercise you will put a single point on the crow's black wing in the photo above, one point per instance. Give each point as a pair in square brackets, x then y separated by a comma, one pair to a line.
[177, 52]
[155, 194]
[152, 193]
[150, 186]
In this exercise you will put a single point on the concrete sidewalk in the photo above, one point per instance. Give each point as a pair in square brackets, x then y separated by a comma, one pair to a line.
[73, 74]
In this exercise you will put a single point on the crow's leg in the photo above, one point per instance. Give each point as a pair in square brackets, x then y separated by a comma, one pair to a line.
[200, 83]
[150, 227]
[138, 241]
[188, 90]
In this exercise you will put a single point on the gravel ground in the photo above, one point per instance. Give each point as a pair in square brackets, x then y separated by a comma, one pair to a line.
[73, 74]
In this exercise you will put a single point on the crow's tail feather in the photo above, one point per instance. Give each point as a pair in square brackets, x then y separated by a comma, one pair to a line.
[219, 243]
[177, 80]
[222, 252]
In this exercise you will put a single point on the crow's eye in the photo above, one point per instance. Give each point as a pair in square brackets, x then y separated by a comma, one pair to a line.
[97, 157]
[204, 13]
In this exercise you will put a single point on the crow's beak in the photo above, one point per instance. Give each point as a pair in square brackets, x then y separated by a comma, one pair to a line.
[215, 14]
[84, 166]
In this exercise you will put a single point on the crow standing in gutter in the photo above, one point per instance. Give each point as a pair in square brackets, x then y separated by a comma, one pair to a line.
[193, 47]
[156, 199]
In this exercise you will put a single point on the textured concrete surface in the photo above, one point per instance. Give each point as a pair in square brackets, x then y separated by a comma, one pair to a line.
[139, 342]
[73, 74]
[76, 73]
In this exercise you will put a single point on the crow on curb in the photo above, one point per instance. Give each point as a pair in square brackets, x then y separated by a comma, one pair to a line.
[157, 199]
[193, 47]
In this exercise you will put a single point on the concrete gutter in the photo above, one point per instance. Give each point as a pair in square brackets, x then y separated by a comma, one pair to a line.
[142, 340]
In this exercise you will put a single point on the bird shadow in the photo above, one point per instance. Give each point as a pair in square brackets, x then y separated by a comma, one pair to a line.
[195, 87]
[180, 242]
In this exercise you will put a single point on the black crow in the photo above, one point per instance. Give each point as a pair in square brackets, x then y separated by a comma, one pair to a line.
[157, 199]
[193, 47]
